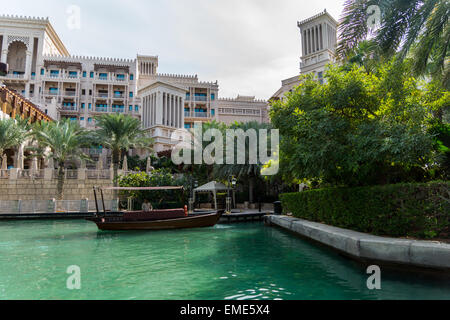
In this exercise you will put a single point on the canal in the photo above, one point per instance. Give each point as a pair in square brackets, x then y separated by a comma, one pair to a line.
[241, 261]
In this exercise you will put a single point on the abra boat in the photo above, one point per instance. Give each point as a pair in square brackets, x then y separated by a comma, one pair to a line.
[152, 220]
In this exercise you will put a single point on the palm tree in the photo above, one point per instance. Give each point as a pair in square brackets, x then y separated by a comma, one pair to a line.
[119, 133]
[12, 134]
[65, 139]
[247, 171]
[418, 28]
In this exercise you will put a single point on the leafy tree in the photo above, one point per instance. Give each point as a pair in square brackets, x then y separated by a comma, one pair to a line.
[65, 139]
[119, 133]
[418, 28]
[158, 178]
[12, 134]
[358, 128]
[247, 172]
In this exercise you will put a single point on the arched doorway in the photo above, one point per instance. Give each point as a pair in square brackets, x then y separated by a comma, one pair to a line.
[17, 55]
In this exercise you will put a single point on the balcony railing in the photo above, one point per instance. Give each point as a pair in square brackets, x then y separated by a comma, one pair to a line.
[51, 93]
[15, 76]
[196, 114]
[101, 109]
[118, 96]
[70, 93]
[119, 110]
[69, 108]
[102, 95]
[202, 99]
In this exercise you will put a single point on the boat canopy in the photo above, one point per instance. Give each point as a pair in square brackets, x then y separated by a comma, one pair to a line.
[144, 188]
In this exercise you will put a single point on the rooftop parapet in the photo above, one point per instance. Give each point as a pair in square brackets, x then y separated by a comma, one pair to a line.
[300, 23]
[27, 18]
[240, 98]
[75, 58]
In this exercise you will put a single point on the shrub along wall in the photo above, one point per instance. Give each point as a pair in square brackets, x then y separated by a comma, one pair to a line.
[418, 210]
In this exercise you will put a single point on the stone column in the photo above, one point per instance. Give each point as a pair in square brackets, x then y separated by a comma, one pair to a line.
[159, 108]
[4, 53]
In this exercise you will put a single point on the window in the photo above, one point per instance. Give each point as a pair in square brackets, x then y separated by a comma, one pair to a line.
[213, 112]
[90, 106]
[92, 74]
[131, 77]
[90, 120]
[82, 106]
[83, 92]
[136, 108]
[130, 108]
[131, 94]
[42, 72]
[90, 92]
[84, 74]
[81, 118]
[320, 76]
[213, 96]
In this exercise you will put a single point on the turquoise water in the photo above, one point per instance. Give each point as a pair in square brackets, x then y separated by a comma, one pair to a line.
[243, 261]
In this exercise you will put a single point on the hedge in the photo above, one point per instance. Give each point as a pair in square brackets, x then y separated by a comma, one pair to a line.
[401, 210]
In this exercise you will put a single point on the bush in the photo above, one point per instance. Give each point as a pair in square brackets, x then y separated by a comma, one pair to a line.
[164, 199]
[417, 210]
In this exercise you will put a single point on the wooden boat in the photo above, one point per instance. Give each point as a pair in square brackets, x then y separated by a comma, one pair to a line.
[152, 220]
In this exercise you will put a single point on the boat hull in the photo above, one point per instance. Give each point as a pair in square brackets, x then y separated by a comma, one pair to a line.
[199, 221]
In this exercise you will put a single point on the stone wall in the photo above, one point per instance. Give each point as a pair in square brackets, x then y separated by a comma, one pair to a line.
[40, 189]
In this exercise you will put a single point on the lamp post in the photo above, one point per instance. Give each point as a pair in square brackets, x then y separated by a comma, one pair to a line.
[231, 182]
[194, 185]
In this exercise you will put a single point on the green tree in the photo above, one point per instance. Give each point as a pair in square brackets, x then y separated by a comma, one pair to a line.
[358, 128]
[65, 139]
[248, 172]
[418, 28]
[12, 134]
[120, 133]
[163, 199]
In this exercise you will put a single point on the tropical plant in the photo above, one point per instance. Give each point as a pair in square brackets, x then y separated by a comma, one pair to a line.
[120, 133]
[418, 28]
[245, 172]
[65, 139]
[166, 199]
[358, 128]
[13, 132]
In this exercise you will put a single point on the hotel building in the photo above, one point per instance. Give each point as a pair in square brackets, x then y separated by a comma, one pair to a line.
[80, 88]
[318, 36]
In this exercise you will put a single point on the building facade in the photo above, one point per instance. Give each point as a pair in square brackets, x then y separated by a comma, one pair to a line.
[242, 109]
[81, 88]
[318, 36]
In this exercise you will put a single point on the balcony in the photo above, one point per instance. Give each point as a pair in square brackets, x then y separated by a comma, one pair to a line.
[69, 108]
[51, 93]
[188, 114]
[101, 109]
[102, 95]
[118, 110]
[70, 93]
[118, 96]
[199, 99]
[56, 77]
[14, 76]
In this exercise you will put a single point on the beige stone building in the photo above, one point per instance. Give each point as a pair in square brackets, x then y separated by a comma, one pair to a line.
[318, 36]
[80, 88]
[242, 109]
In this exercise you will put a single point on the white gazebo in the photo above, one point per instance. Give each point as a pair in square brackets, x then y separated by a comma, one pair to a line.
[212, 187]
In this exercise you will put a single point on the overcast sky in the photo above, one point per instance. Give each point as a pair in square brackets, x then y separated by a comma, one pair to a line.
[249, 46]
